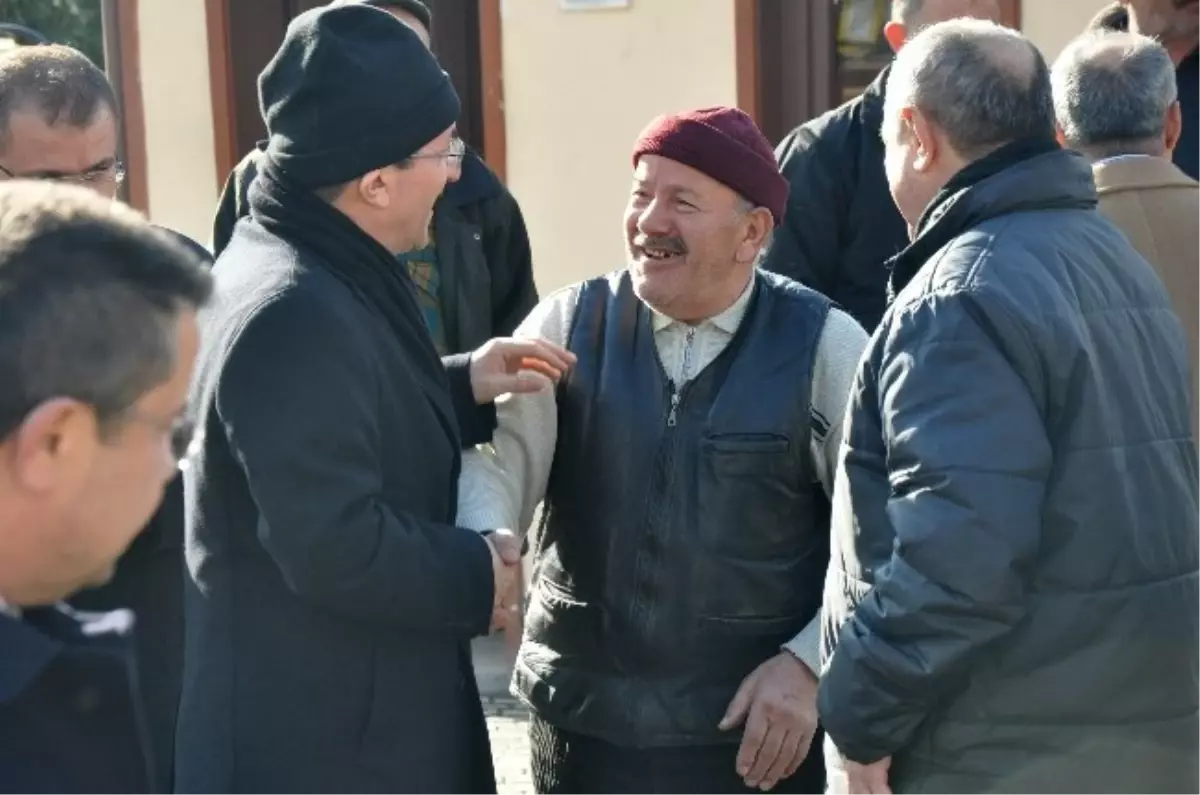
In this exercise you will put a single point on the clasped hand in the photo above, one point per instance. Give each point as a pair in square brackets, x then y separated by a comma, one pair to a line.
[506, 574]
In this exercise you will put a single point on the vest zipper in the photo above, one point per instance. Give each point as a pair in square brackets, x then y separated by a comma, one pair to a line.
[684, 371]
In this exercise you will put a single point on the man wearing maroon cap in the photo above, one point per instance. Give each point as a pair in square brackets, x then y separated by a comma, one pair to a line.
[685, 465]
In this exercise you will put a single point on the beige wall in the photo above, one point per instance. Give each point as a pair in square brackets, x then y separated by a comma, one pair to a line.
[180, 156]
[1051, 24]
[578, 88]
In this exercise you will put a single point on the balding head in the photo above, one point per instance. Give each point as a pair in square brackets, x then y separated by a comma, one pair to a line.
[1115, 93]
[984, 85]
[910, 17]
[958, 91]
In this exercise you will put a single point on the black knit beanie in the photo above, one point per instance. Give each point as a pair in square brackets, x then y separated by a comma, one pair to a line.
[350, 90]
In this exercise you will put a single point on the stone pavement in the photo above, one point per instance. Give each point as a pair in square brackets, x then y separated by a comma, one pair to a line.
[507, 718]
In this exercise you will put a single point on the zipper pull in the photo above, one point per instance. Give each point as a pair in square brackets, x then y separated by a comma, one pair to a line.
[671, 418]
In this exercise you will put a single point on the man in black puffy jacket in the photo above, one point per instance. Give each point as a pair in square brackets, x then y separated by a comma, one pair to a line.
[841, 226]
[1013, 581]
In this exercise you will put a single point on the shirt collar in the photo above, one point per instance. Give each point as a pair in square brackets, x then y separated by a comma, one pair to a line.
[1118, 158]
[727, 321]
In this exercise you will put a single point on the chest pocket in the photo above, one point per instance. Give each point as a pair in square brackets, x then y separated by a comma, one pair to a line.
[749, 486]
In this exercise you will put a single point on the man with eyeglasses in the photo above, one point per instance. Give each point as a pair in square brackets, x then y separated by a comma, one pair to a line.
[474, 276]
[59, 122]
[98, 336]
[333, 597]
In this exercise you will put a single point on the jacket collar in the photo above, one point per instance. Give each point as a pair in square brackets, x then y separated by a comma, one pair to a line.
[31, 642]
[1019, 177]
[476, 183]
[1118, 174]
[27, 651]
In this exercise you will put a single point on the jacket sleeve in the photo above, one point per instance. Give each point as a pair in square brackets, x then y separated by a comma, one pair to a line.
[298, 401]
[806, 245]
[510, 260]
[476, 423]
[503, 483]
[967, 460]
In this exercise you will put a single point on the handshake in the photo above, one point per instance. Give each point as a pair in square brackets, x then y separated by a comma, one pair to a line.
[506, 574]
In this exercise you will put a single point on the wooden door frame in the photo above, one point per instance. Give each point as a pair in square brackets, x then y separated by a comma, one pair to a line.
[122, 61]
[745, 36]
[491, 67]
[220, 79]
[220, 65]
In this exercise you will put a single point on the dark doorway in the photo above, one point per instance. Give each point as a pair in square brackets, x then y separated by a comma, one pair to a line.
[796, 63]
[256, 29]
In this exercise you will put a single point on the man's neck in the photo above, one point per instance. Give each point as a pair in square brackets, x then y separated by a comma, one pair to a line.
[1098, 154]
[725, 305]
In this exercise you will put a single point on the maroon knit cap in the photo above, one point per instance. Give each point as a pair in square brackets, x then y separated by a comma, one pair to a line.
[725, 144]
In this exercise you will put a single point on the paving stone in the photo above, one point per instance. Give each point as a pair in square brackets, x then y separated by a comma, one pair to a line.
[507, 721]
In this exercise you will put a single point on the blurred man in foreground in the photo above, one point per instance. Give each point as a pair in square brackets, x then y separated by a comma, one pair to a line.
[97, 340]
[59, 123]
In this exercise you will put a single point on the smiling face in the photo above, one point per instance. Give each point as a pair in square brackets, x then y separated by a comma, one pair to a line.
[691, 241]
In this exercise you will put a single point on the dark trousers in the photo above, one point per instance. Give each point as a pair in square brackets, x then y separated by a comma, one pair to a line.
[566, 762]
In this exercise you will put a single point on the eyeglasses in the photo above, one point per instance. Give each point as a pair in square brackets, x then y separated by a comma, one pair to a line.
[185, 439]
[110, 172]
[453, 154]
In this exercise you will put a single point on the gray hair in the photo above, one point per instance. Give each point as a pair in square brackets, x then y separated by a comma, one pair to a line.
[57, 82]
[1112, 91]
[985, 85]
[89, 300]
[744, 207]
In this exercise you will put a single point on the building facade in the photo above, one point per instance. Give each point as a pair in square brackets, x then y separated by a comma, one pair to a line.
[554, 91]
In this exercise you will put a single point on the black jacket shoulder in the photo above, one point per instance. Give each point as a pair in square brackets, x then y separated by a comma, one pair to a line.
[70, 713]
[841, 224]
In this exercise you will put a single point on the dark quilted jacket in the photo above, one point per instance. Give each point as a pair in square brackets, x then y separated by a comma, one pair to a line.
[1013, 583]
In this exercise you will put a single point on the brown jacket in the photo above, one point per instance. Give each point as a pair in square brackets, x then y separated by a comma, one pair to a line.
[1157, 206]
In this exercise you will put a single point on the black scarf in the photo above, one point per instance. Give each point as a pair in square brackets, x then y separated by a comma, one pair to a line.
[357, 260]
[948, 215]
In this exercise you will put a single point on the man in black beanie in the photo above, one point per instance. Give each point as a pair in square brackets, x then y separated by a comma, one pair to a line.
[475, 276]
[332, 599]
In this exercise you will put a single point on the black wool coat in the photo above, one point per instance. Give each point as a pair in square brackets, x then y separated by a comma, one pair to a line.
[331, 600]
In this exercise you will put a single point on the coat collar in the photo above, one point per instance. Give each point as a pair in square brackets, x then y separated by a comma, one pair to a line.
[1118, 174]
[32, 641]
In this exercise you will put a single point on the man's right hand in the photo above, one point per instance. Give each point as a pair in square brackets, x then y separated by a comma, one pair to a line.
[506, 574]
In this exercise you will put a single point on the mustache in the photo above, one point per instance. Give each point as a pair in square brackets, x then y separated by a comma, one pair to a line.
[672, 245]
